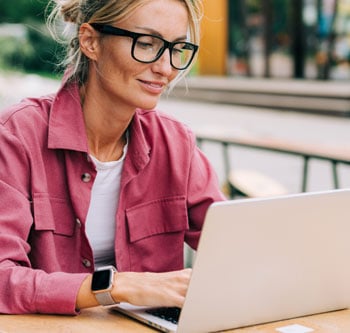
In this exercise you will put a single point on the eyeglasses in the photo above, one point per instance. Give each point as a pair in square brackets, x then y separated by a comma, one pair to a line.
[149, 48]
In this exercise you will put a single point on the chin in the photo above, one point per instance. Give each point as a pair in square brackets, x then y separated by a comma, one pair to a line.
[148, 105]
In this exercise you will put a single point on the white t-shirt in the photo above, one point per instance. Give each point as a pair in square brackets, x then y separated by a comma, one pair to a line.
[100, 221]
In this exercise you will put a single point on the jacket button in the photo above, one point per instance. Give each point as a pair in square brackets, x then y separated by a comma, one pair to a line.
[78, 222]
[85, 177]
[87, 263]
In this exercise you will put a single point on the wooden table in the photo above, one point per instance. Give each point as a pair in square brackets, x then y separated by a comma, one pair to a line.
[101, 320]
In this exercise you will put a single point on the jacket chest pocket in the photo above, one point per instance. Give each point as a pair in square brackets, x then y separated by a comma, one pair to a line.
[53, 214]
[156, 234]
[157, 217]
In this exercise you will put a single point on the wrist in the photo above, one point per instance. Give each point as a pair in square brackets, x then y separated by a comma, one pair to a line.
[85, 298]
[102, 283]
[130, 287]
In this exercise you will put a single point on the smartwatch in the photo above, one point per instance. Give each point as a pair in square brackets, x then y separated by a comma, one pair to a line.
[102, 285]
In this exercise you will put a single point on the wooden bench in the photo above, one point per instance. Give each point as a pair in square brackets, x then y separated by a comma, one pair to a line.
[334, 155]
[252, 184]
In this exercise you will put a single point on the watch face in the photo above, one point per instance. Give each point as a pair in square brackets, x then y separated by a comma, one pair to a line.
[101, 280]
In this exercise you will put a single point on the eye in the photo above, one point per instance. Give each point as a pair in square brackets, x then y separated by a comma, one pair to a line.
[177, 51]
[149, 43]
[144, 45]
[182, 48]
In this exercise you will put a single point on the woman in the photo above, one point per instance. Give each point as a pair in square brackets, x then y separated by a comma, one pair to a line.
[92, 177]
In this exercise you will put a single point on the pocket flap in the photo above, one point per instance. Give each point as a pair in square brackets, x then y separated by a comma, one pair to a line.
[157, 217]
[53, 214]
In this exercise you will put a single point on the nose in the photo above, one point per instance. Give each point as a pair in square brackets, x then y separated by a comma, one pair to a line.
[162, 65]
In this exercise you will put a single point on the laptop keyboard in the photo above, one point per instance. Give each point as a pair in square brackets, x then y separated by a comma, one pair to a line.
[169, 314]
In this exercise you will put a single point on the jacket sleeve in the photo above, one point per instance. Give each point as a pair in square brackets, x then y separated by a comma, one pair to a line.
[203, 190]
[22, 288]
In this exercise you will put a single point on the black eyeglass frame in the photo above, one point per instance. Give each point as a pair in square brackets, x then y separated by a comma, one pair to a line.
[110, 30]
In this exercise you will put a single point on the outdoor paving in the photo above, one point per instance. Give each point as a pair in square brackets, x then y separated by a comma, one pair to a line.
[15, 86]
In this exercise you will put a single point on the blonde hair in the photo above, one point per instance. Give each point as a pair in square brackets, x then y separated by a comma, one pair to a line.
[77, 12]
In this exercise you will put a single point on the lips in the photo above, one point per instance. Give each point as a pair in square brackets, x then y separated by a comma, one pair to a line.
[154, 84]
[155, 87]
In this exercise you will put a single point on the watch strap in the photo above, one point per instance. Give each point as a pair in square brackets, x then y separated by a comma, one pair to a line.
[105, 298]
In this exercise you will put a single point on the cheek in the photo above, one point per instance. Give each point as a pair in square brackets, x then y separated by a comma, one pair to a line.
[117, 61]
[174, 75]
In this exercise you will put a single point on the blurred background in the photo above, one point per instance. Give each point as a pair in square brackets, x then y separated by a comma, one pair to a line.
[278, 38]
[275, 73]
[26, 44]
[307, 39]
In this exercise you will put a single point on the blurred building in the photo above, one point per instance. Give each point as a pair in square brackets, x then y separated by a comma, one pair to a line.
[276, 38]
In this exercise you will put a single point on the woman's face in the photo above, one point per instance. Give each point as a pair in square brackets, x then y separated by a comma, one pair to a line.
[128, 82]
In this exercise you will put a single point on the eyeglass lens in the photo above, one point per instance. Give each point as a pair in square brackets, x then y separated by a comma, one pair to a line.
[150, 48]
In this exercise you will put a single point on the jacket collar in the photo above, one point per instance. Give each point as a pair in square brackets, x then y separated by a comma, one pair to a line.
[139, 147]
[66, 122]
[67, 127]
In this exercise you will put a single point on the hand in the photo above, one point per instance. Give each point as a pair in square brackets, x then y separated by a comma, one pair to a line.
[152, 289]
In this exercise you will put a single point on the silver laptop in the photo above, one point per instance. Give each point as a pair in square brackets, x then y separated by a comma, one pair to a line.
[263, 260]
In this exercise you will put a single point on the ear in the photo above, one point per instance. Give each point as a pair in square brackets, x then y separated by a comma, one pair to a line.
[89, 41]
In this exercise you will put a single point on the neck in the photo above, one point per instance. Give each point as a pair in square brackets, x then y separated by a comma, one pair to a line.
[109, 151]
[105, 127]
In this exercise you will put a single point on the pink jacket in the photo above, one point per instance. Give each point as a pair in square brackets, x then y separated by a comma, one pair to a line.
[46, 178]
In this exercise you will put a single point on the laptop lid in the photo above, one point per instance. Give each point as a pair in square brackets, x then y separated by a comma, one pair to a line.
[262, 260]
[268, 259]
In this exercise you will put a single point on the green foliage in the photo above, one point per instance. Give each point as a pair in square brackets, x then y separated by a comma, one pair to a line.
[38, 52]
[13, 52]
[254, 5]
[19, 11]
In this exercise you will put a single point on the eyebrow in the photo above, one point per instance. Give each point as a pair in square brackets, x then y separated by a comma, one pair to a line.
[156, 33]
